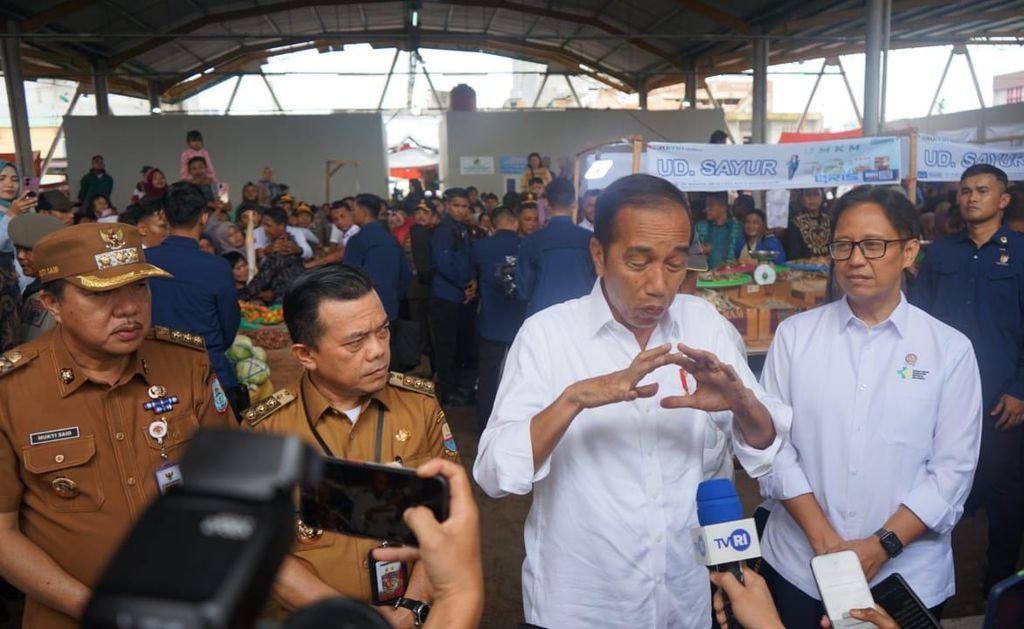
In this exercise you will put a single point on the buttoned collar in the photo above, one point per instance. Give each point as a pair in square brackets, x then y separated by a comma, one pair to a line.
[1000, 237]
[318, 407]
[898, 318]
[70, 375]
[600, 314]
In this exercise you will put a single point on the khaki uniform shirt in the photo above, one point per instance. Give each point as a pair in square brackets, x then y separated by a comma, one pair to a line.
[413, 430]
[77, 461]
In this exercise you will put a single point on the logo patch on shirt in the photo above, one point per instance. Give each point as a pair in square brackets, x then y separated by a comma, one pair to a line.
[907, 371]
[49, 436]
[449, 440]
[220, 399]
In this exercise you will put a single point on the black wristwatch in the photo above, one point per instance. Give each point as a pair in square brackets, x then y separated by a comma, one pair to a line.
[419, 609]
[890, 542]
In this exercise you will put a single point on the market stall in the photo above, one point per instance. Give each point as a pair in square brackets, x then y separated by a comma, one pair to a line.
[261, 353]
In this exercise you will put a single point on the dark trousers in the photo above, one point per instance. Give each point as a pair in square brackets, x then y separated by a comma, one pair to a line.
[796, 609]
[466, 356]
[238, 397]
[491, 356]
[999, 485]
[444, 330]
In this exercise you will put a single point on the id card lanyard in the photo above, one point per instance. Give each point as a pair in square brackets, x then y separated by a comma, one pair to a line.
[377, 442]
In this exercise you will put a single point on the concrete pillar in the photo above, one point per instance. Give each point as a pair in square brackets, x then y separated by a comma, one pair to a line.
[99, 81]
[874, 43]
[759, 130]
[15, 83]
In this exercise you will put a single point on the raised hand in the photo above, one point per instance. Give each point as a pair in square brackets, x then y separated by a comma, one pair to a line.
[623, 385]
[719, 388]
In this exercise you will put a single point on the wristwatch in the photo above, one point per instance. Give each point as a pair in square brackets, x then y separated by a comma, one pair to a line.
[419, 609]
[890, 542]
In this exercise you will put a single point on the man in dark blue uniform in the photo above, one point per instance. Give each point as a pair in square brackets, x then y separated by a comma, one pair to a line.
[555, 264]
[453, 286]
[201, 297]
[974, 281]
[501, 313]
[377, 252]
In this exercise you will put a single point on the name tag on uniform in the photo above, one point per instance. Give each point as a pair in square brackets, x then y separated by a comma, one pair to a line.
[168, 476]
[49, 436]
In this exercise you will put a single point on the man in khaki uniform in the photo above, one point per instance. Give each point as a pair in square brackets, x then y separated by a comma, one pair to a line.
[25, 231]
[93, 415]
[347, 405]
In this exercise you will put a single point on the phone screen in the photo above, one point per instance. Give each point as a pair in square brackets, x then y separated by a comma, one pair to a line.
[368, 499]
[842, 586]
[895, 596]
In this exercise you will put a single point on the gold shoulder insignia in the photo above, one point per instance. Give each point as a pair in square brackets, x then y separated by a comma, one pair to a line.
[9, 361]
[411, 383]
[267, 407]
[195, 341]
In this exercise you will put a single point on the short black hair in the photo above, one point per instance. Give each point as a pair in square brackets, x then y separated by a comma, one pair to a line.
[593, 192]
[453, 193]
[643, 191]
[894, 202]
[370, 202]
[759, 213]
[718, 136]
[744, 203]
[339, 282]
[184, 205]
[138, 212]
[489, 196]
[987, 169]
[277, 214]
[197, 158]
[192, 136]
[561, 193]
[719, 196]
[471, 189]
[511, 200]
[534, 180]
[56, 288]
[233, 258]
[499, 213]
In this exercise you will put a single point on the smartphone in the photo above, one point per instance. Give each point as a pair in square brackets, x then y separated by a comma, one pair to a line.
[32, 185]
[842, 586]
[223, 191]
[1006, 604]
[368, 499]
[895, 596]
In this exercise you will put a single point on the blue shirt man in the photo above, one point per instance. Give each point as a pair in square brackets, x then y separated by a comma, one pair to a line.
[453, 268]
[201, 297]
[974, 281]
[376, 251]
[501, 313]
[555, 263]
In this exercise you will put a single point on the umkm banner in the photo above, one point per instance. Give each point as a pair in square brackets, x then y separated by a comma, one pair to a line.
[710, 167]
[939, 159]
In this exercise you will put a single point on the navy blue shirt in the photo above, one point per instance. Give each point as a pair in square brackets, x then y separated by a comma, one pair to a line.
[555, 265]
[453, 267]
[500, 315]
[377, 252]
[201, 298]
[980, 291]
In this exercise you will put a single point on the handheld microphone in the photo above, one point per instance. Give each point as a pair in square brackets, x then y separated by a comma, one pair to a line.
[724, 538]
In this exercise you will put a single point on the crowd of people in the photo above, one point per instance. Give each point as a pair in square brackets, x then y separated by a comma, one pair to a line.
[600, 386]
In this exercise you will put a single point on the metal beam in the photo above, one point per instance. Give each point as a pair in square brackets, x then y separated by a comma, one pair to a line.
[875, 34]
[716, 15]
[690, 91]
[641, 89]
[942, 80]
[270, 89]
[234, 92]
[572, 89]
[974, 78]
[99, 87]
[60, 133]
[387, 81]
[540, 90]
[849, 92]
[16, 104]
[814, 90]
[38, 20]
[154, 98]
[759, 123]
[430, 82]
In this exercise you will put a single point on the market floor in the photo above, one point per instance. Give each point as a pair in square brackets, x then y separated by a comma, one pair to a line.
[502, 533]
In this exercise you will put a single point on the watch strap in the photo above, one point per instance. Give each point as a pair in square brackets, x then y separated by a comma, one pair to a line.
[419, 609]
[891, 542]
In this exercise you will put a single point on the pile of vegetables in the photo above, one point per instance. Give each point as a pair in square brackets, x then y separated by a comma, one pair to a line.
[251, 368]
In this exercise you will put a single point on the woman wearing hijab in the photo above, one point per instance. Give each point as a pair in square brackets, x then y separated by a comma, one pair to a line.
[11, 205]
[155, 184]
[228, 237]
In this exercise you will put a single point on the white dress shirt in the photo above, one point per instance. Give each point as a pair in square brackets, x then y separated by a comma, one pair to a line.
[883, 416]
[262, 242]
[587, 225]
[608, 536]
[339, 237]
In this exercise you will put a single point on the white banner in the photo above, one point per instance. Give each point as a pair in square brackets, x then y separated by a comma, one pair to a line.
[939, 159]
[709, 167]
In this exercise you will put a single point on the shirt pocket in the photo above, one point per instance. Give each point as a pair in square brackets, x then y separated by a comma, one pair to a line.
[910, 426]
[180, 429]
[65, 475]
[1002, 289]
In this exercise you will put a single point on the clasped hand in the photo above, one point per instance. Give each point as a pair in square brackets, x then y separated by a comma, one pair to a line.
[719, 388]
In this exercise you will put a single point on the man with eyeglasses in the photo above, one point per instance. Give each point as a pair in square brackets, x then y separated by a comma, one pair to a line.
[974, 281]
[886, 421]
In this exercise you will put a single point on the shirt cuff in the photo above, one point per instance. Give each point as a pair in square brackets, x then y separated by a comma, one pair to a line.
[513, 460]
[931, 508]
[784, 484]
[756, 462]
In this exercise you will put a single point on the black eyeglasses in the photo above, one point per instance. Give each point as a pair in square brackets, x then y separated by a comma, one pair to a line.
[871, 248]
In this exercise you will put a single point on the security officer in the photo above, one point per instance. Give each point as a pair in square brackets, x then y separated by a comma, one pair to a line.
[347, 405]
[25, 231]
[974, 281]
[93, 416]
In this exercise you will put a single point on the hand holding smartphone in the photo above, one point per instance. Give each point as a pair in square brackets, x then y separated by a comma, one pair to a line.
[842, 586]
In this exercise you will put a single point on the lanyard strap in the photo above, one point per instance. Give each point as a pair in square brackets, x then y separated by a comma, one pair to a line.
[377, 442]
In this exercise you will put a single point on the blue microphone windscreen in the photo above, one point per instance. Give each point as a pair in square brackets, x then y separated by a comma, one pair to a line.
[718, 502]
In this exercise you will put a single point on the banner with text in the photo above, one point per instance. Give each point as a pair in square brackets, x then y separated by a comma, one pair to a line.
[708, 167]
[939, 159]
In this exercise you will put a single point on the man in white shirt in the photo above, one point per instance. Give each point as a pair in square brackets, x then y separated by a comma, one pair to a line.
[592, 417]
[886, 421]
[262, 241]
[343, 226]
